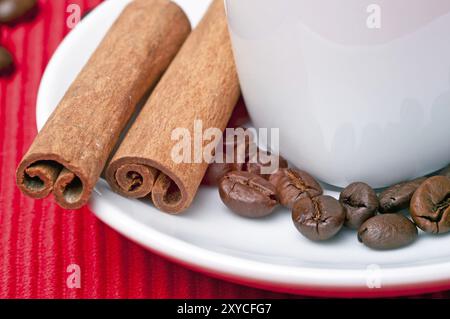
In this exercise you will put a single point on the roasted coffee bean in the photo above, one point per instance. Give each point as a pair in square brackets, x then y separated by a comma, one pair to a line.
[292, 185]
[360, 203]
[398, 197]
[216, 171]
[318, 218]
[237, 144]
[11, 10]
[233, 153]
[6, 60]
[247, 194]
[262, 159]
[445, 171]
[430, 205]
[388, 231]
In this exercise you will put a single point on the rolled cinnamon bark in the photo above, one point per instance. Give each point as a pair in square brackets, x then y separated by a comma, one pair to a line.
[200, 84]
[69, 154]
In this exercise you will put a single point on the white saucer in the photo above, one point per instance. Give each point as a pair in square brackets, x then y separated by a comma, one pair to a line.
[266, 253]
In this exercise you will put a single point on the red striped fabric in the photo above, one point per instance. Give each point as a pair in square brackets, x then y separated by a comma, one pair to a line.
[38, 240]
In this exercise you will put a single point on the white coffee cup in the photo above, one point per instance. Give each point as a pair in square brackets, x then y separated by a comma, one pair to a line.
[360, 89]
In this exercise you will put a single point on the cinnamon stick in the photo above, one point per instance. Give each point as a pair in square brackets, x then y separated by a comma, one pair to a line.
[69, 154]
[200, 84]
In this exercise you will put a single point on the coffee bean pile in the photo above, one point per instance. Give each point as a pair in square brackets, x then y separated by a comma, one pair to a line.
[378, 219]
[12, 12]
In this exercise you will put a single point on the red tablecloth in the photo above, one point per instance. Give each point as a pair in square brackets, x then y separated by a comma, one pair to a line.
[38, 240]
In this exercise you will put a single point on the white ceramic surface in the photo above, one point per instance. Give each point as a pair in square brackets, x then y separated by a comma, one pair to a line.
[265, 253]
[352, 103]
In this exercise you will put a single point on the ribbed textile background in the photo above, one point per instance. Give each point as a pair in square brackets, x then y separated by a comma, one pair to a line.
[38, 240]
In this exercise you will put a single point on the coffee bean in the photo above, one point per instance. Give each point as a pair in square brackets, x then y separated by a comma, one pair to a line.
[247, 194]
[430, 205]
[262, 159]
[360, 203]
[6, 60]
[398, 197]
[318, 218]
[388, 231]
[233, 153]
[216, 171]
[293, 185]
[11, 10]
[445, 171]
